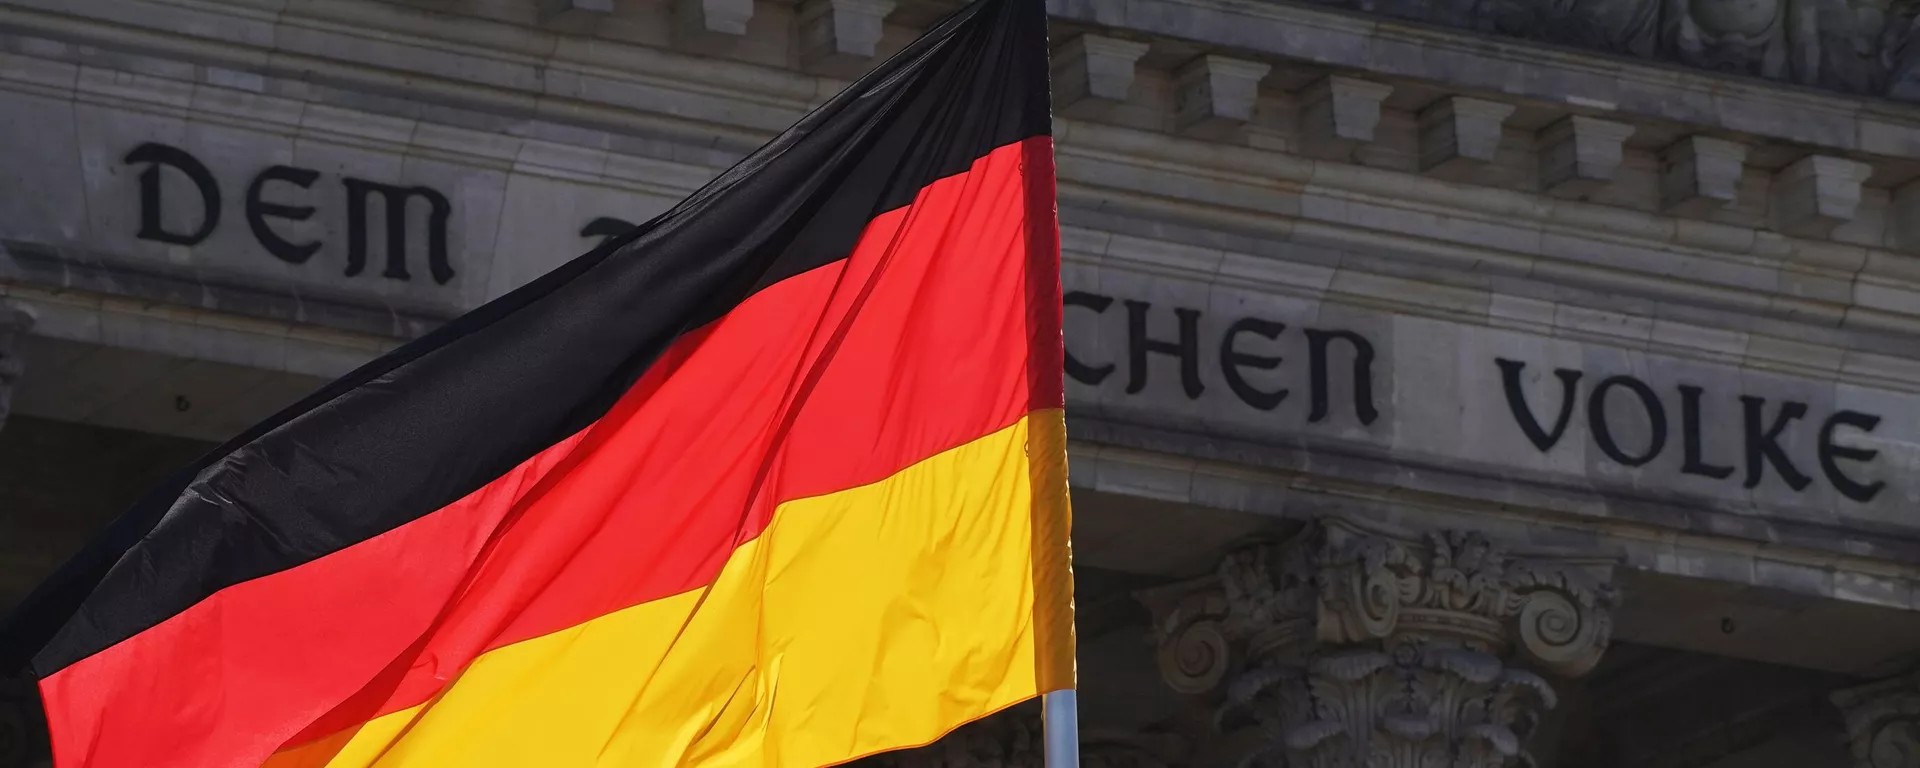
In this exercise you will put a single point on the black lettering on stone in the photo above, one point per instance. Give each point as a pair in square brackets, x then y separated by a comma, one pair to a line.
[606, 228]
[358, 190]
[1603, 429]
[1763, 445]
[258, 210]
[1081, 372]
[1317, 343]
[1523, 415]
[156, 155]
[1692, 441]
[1829, 452]
[1187, 348]
[1231, 360]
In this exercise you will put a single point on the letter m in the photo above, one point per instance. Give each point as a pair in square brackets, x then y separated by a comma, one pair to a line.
[358, 190]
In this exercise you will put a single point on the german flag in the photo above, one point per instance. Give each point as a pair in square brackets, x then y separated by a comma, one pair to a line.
[777, 479]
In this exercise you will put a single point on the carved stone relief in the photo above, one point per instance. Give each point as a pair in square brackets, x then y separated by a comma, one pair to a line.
[1883, 722]
[1854, 46]
[14, 323]
[1352, 645]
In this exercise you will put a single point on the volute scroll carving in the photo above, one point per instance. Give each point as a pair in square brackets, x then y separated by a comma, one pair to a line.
[1883, 722]
[1191, 637]
[1352, 644]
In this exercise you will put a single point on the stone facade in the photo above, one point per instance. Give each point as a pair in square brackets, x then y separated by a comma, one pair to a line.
[1350, 645]
[14, 323]
[1852, 46]
[1883, 723]
[1446, 379]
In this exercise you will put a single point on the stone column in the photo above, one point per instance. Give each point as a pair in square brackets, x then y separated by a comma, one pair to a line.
[1883, 722]
[14, 323]
[1353, 645]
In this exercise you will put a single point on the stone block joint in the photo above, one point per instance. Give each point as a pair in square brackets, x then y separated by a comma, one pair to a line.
[1818, 193]
[1339, 113]
[719, 17]
[1699, 174]
[1459, 134]
[1093, 72]
[1217, 93]
[1579, 154]
[839, 37]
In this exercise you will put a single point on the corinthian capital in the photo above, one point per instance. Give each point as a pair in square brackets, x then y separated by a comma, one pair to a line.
[14, 323]
[1883, 722]
[1356, 644]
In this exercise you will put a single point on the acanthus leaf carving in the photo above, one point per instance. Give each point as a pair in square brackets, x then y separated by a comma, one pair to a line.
[1352, 644]
[1883, 722]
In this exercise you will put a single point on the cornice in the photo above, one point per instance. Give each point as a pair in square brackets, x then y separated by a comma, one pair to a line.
[1525, 69]
[1475, 255]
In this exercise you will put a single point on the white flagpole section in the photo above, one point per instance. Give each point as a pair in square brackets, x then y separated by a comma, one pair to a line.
[1061, 724]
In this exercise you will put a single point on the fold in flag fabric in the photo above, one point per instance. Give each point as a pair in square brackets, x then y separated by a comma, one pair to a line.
[777, 479]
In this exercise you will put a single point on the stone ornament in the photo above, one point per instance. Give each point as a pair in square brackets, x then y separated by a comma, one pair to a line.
[1853, 46]
[1578, 154]
[14, 323]
[839, 37]
[1818, 193]
[1351, 644]
[720, 17]
[1883, 722]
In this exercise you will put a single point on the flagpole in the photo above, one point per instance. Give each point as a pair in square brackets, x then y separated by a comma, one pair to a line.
[1061, 724]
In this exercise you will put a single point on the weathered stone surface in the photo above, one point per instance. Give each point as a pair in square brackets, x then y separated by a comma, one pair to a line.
[1817, 193]
[1216, 94]
[1883, 722]
[576, 15]
[1578, 154]
[1852, 46]
[838, 37]
[1357, 644]
[1699, 174]
[722, 17]
[1903, 218]
[1338, 113]
[1093, 72]
[14, 323]
[1460, 134]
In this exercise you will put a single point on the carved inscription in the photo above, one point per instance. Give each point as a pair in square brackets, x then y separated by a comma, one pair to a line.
[1613, 399]
[279, 194]
[1235, 354]
[1630, 422]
